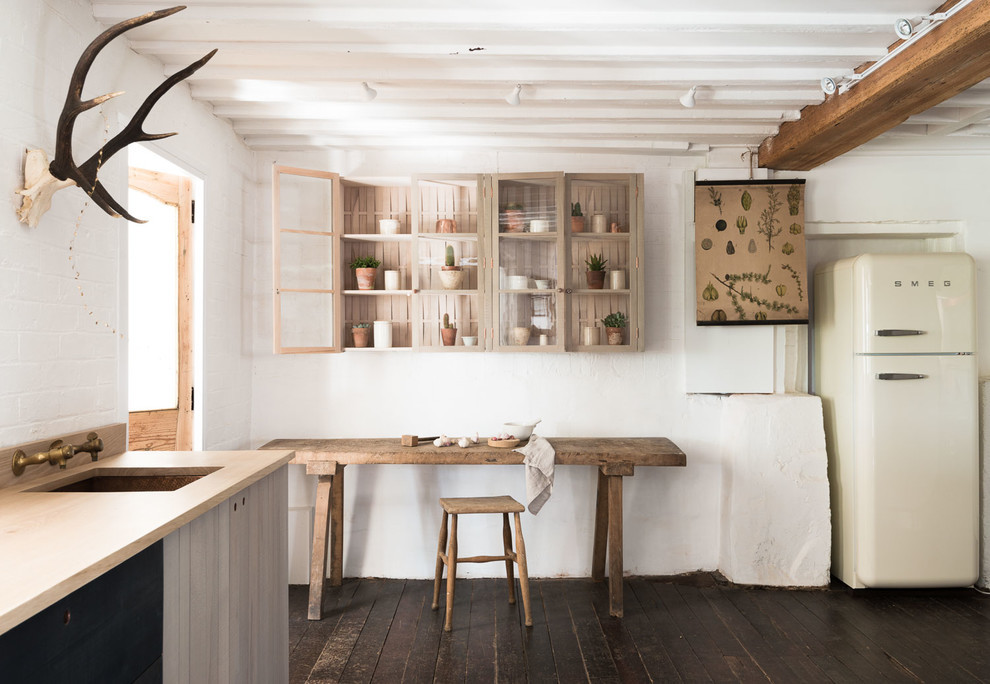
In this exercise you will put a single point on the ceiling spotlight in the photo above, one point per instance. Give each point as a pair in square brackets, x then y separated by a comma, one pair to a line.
[513, 97]
[367, 92]
[829, 86]
[687, 99]
[905, 28]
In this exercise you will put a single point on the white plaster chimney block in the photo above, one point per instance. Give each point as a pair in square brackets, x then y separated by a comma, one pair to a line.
[776, 526]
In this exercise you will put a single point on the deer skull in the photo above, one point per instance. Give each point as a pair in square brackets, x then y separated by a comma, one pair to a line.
[42, 180]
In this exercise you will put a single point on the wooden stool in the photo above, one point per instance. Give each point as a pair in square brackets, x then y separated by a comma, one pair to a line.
[481, 504]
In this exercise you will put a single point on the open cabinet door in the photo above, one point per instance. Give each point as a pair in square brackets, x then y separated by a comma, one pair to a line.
[305, 245]
[160, 335]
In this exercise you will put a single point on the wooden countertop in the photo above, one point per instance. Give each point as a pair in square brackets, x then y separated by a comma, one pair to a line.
[52, 543]
[639, 451]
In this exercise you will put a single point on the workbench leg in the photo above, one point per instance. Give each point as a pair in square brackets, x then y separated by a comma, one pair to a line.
[615, 545]
[318, 561]
[337, 528]
[601, 529]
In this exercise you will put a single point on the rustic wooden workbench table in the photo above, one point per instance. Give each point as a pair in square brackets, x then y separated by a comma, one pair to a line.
[615, 458]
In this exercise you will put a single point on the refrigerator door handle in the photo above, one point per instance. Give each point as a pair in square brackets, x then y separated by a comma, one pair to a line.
[898, 333]
[901, 376]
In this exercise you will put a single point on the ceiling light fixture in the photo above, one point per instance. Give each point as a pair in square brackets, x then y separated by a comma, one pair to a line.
[909, 30]
[687, 99]
[367, 92]
[513, 97]
[905, 28]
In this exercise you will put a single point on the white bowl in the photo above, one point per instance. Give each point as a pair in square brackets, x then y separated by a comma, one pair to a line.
[542, 284]
[517, 282]
[539, 226]
[388, 226]
[469, 340]
[520, 430]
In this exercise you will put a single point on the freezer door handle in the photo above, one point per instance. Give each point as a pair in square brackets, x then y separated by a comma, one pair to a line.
[900, 376]
[898, 333]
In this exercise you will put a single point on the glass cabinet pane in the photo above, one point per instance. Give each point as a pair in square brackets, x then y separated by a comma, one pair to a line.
[527, 320]
[306, 261]
[307, 321]
[304, 244]
[305, 202]
[528, 206]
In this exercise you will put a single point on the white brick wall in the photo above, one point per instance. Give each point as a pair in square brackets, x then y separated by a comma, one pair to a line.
[61, 367]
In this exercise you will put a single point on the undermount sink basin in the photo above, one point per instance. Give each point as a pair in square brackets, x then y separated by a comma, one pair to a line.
[127, 480]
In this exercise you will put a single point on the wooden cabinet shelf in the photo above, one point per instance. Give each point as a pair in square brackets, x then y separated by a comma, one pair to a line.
[521, 284]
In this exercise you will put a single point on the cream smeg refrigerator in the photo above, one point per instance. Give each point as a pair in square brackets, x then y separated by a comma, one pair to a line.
[894, 362]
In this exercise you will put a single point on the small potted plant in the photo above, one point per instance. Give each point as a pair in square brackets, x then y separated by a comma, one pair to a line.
[448, 333]
[596, 271]
[451, 275]
[614, 324]
[365, 268]
[361, 332]
[514, 222]
[577, 218]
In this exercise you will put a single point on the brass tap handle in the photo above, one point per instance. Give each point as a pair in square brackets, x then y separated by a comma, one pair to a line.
[93, 445]
[56, 455]
[59, 453]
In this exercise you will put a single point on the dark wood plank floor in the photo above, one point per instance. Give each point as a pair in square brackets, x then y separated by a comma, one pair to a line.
[694, 628]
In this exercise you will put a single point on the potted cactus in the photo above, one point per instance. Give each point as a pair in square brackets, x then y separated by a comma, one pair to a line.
[361, 332]
[615, 324]
[365, 268]
[451, 275]
[596, 271]
[448, 333]
[577, 218]
[514, 218]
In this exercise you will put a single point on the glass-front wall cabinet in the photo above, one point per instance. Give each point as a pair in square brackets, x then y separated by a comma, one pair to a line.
[608, 237]
[463, 262]
[528, 248]
[450, 269]
[305, 276]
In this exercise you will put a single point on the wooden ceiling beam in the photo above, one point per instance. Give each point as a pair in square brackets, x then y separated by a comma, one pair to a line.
[940, 64]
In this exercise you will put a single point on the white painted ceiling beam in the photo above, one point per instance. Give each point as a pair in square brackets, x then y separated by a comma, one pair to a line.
[574, 73]
[490, 111]
[518, 15]
[240, 50]
[697, 129]
[285, 91]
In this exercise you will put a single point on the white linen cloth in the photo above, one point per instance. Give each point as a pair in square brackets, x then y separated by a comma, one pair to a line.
[539, 471]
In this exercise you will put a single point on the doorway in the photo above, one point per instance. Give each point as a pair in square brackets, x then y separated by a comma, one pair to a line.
[161, 396]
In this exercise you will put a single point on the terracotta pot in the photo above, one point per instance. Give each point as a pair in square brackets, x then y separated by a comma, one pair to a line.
[514, 222]
[577, 224]
[361, 336]
[448, 336]
[446, 225]
[596, 280]
[451, 277]
[614, 335]
[366, 278]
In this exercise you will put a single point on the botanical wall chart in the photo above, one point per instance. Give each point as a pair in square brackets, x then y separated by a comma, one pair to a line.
[750, 262]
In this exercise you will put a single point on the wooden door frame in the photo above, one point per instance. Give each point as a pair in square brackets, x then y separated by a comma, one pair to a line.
[177, 191]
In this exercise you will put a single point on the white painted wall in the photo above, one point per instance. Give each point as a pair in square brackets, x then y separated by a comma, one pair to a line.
[61, 367]
[673, 516]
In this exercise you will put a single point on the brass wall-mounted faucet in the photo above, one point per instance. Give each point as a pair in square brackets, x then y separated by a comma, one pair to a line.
[57, 454]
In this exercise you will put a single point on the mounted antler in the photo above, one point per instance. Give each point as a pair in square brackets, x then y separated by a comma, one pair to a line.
[42, 180]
